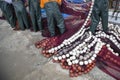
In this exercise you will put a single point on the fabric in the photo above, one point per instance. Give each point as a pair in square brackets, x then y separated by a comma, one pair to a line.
[106, 60]
[43, 2]
[43, 13]
[54, 16]
[21, 14]
[35, 14]
[8, 12]
[100, 11]
[76, 1]
[73, 9]
[109, 63]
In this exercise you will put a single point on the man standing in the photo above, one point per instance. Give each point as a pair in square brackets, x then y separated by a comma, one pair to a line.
[100, 11]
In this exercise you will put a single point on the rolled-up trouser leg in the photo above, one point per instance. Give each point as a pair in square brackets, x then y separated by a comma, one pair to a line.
[50, 18]
[59, 18]
[95, 18]
[8, 12]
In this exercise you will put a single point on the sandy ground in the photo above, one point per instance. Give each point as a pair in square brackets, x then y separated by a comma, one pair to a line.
[20, 60]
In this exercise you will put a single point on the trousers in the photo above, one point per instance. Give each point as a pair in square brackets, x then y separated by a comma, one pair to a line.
[35, 14]
[8, 12]
[100, 11]
[21, 14]
[54, 16]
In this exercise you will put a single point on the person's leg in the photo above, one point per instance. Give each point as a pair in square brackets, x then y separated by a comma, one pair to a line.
[8, 12]
[38, 15]
[50, 18]
[117, 15]
[105, 21]
[33, 19]
[17, 26]
[24, 15]
[25, 18]
[18, 10]
[59, 18]
[34, 14]
[115, 8]
[13, 18]
[113, 13]
[95, 18]
[104, 15]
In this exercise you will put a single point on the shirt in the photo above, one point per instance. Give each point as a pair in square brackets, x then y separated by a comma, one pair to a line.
[42, 2]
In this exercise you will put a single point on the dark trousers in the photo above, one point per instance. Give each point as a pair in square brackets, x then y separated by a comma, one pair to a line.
[35, 14]
[100, 10]
[54, 15]
[21, 14]
[8, 12]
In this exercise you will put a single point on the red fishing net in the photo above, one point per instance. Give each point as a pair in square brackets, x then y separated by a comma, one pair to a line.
[106, 60]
